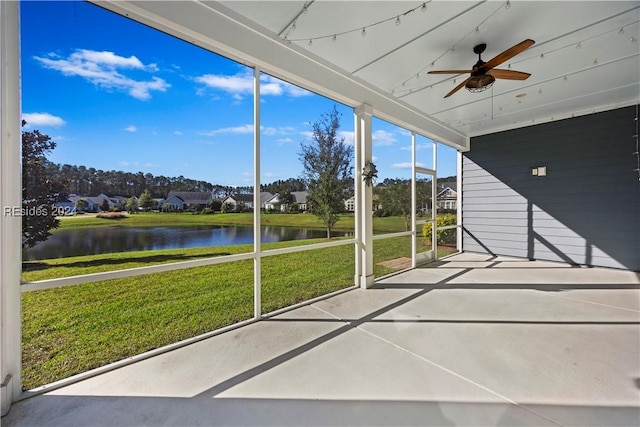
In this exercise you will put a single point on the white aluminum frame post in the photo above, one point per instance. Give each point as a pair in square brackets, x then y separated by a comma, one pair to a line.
[10, 202]
[257, 242]
[459, 184]
[364, 197]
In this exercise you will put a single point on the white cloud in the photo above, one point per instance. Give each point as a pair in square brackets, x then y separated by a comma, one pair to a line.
[405, 165]
[236, 85]
[382, 137]
[248, 129]
[286, 140]
[374, 158]
[348, 136]
[271, 175]
[101, 69]
[241, 85]
[419, 147]
[282, 130]
[43, 119]
[307, 134]
[268, 131]
[131, 128]
[177, 132]
[272, 86]
[109, 59]
[235, 130]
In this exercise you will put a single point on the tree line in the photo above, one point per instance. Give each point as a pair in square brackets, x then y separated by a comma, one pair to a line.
[89, 181]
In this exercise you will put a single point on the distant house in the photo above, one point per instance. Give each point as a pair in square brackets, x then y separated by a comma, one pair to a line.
[247, 200]
[158, 203]
[65, 207]
[300, 197]
[93, 204]
[120, 201]
[265, 196]
[276, 203]
[350, 204]
[74, 198]
[112, 201]
[447, 196]
[239, 199]
[186, 200]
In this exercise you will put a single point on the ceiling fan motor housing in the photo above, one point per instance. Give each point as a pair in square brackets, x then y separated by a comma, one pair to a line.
[480, 82]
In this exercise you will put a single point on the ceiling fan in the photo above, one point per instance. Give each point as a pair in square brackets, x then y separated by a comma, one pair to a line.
[483, 74]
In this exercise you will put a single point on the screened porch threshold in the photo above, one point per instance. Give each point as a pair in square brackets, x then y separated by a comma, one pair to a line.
[477, 340]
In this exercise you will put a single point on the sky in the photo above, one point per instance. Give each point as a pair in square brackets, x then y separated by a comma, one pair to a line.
[117, 95]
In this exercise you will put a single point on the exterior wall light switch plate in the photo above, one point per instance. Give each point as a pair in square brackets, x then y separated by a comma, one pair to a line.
[539, 171]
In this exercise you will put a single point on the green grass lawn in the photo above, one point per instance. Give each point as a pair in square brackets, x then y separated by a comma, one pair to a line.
[73, 329]
[155, 219]
[70, 330]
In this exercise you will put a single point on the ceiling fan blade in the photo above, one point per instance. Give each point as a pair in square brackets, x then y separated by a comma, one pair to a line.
[508, 74]
[450, 72]
[508, 54]
[457, 88]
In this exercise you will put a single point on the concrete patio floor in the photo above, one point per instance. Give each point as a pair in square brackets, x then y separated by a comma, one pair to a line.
[478, 340]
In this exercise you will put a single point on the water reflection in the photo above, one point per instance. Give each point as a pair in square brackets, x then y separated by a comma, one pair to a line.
[91, 241]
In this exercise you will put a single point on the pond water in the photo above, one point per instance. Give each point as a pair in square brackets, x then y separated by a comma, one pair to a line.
[101, 240]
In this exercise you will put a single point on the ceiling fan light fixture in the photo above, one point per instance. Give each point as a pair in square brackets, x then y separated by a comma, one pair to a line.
[484, 74]
[480, 83]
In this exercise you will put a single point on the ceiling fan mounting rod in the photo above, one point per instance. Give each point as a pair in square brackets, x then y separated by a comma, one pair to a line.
[479, 48]
[477, 68]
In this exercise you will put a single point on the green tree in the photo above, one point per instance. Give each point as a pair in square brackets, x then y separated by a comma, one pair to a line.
[227, 207]
[104, 206]
[82, 205]
[395, 199]
[39, 191]
[286, 199]
[145, 201]
[216, 205]
[132, 205]
[327, 169]
[394, 196]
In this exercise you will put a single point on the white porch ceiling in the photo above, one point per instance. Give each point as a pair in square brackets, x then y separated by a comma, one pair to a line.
[586, 57]
[582, 61]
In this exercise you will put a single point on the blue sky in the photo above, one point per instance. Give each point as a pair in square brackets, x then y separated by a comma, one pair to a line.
[117, 95]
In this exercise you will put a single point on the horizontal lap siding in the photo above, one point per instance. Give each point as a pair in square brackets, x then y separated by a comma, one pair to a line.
[585, 211]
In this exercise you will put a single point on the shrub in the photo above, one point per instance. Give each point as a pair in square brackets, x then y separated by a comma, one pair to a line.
[381, 213]
[111, 215]
[227, 207]
[444, 236]
[216, 205]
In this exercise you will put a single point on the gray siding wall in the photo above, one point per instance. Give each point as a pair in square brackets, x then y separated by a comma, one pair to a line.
[585, 211]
